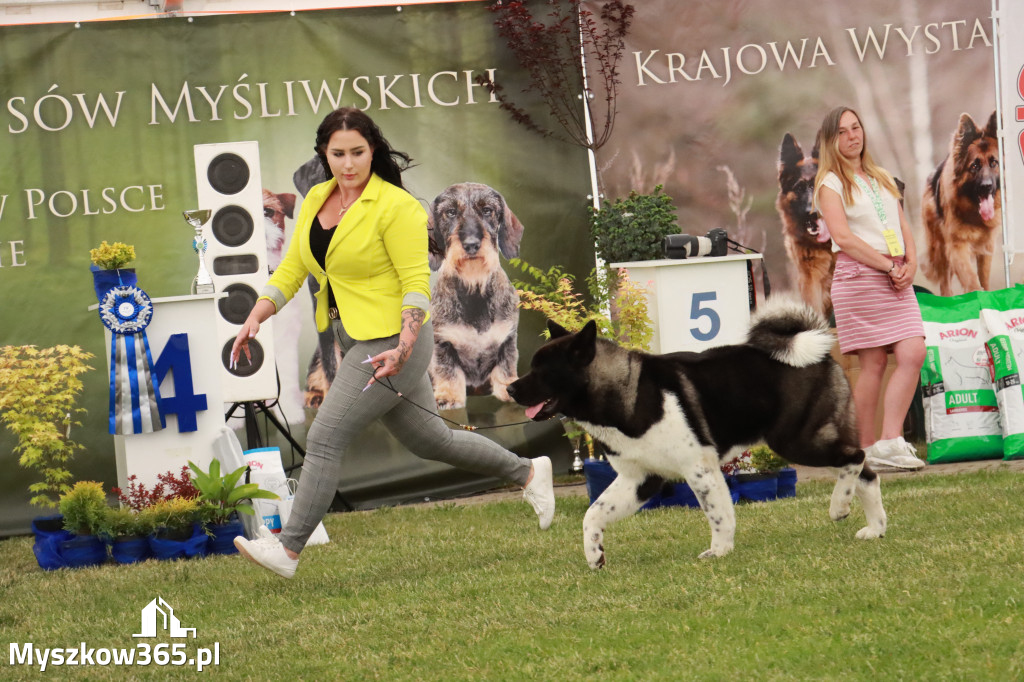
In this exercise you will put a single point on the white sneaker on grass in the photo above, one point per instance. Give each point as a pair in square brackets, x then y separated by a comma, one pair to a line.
[540, 491]
[267, 551]
[894, 453]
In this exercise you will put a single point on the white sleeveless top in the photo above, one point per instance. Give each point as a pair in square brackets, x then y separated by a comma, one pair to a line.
[862, 217]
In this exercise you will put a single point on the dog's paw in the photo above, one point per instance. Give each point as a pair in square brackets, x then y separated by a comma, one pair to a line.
[839, 513]
[869, 533]
[450, 404]
[714, 552]
[593, 549]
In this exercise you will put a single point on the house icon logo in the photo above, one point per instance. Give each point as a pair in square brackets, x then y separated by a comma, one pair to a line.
[159, 613]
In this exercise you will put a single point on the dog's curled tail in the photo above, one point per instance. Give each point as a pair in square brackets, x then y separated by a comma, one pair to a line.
[791, 332]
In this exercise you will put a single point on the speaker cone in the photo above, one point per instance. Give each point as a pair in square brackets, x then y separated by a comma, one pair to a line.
[232, 226]
[245, 367]
[228, 173]
[236, 306]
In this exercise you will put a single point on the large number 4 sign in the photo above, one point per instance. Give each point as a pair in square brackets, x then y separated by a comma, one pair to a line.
[185, 403]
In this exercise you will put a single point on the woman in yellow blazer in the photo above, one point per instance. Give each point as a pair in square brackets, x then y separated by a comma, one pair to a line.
[364, 239]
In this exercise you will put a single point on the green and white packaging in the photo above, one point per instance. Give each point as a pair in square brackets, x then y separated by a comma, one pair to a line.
[1002, 320]
[961, 413]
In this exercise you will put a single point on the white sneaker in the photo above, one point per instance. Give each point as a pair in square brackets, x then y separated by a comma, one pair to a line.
[540, 491]
[894, 453]
[268, 552]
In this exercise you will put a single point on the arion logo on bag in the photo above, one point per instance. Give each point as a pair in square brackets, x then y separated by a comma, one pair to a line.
[158, 614]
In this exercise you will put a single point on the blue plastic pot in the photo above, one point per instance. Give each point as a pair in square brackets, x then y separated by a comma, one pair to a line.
[787, 482]
[49, 533]
[105, 280]
[223, 539]
[757, 487]
[80, 551]
[169, 549]
[130, 549]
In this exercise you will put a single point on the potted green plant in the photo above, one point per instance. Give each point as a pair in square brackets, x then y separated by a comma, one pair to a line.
[634, 228]
[108, 266]
[126, 532]
[222, 499]
[176, 530]
[38, 391]
[83, 508]
[552, 293]
[757, 477]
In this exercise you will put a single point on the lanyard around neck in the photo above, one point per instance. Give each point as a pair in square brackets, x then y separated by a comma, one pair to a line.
[874, 193]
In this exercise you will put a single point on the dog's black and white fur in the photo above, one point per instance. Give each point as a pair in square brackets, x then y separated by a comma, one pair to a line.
[474, 306]
[680, 416]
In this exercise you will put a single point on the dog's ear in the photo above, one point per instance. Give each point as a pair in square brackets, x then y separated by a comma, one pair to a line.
[583, 347]
[309, 174]
[287, 203]
[992, 127]
[510, 234]
[435, 246]
[790, 153]
[816, 149]
[556, 330]
[966, 133]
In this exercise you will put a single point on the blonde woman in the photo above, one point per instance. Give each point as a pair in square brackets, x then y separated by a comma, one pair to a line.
[872, 289]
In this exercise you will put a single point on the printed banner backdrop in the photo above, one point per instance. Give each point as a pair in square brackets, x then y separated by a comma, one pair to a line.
[1011, 97]
[99, 124]
[716, 95]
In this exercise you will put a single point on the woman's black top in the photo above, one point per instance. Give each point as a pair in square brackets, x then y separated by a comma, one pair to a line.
[319, 240]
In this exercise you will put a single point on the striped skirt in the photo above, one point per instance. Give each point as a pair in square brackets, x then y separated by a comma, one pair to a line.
[869, 312]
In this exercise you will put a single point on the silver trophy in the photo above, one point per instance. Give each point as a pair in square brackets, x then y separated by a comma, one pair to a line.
[574, 432]
[197, 217]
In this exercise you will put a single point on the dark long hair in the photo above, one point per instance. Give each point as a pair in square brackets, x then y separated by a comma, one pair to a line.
[388, 163]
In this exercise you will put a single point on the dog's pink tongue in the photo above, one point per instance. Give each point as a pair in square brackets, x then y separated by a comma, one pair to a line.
[823, 234]
[532, 411]
[987, 207]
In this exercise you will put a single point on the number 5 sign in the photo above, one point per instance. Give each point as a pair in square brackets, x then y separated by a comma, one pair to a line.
[695, 303]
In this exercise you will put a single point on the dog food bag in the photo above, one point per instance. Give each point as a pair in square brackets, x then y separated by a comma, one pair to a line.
[960, 410]
[1002, 321]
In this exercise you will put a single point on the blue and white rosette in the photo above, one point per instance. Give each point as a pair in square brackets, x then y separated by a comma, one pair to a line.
[134, 399]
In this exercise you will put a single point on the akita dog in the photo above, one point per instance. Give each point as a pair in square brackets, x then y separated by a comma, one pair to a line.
[680, 416]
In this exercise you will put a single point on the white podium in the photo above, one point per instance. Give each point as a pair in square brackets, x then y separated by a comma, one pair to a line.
[695, 303]
[148, 454]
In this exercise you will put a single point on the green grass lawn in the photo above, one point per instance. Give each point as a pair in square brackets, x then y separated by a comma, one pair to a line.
[477, 592]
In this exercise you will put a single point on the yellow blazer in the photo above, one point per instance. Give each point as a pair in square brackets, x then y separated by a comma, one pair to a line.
[376, 261]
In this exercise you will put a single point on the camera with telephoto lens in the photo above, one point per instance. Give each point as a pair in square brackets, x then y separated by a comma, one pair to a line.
[714, 243]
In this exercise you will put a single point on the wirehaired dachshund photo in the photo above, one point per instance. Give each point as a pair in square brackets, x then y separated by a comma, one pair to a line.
[474, 306]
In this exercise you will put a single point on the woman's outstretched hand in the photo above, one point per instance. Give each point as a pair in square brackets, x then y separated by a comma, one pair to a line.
[248, 331]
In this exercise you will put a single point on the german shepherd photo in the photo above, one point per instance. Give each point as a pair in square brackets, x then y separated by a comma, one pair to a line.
[681, 416]
[804, 233]
[962, 207]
